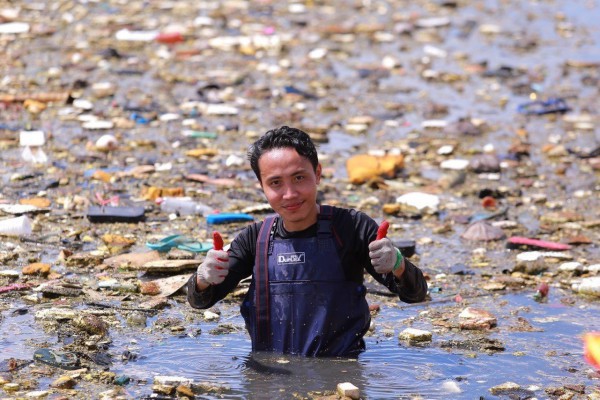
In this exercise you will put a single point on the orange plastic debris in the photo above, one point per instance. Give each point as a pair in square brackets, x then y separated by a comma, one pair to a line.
[591, 348]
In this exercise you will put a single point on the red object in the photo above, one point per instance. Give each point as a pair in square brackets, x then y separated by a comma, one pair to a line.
[488, 202]
[543, 289]
[382, 231]
[14, 287]
[519, 240]
[217, 241]
[113, 201]
[169, 37]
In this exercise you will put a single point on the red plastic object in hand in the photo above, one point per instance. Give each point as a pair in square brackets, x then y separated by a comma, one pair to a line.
[169, 37]
[217, 241]
[382, 230]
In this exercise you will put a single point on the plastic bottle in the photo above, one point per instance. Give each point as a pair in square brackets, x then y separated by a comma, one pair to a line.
[32, 142]
[184, 206]
[589, 286]
[18, 226]
[127, 35]
[113, 284]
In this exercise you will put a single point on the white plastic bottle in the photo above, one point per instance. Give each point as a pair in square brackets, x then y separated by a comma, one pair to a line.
[18, 226]
[184, 206]
[589, 286]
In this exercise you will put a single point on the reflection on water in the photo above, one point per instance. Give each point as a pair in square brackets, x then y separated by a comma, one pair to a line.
[281, 376]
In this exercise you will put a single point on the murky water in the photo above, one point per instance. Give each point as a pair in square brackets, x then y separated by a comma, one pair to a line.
[389, 369]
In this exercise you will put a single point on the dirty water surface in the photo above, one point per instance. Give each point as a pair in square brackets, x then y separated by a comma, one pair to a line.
[539, 354]
[490, 110]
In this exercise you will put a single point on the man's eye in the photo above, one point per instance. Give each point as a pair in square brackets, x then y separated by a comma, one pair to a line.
[299, 178]
[274, 183]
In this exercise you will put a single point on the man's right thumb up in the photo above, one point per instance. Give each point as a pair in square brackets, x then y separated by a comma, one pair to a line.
[214, 268]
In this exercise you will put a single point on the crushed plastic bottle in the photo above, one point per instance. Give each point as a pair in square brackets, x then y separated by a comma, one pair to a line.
[113, 284]
[184, 206]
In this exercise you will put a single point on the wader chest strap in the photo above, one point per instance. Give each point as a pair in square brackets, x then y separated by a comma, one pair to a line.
[262, 339]
[325, 229]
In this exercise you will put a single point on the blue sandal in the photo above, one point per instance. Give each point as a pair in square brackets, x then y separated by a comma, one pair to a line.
[195, 247]
[181, 242]
[165, 244]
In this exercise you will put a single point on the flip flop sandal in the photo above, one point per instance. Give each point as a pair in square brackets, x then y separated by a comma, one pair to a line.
[167, 243]
[195, 247]
[59, 359]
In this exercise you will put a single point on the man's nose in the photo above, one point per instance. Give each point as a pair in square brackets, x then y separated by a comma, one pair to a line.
[289, 190]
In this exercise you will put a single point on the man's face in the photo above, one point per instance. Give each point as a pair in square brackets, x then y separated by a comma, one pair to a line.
[290, 185]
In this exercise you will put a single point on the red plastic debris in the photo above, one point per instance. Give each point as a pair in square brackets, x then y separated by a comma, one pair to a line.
[542, 244]
[488, 202]
[113, 200]
[382, 231]
[169, 37]
[217, 241]
[14, 287]
[542, 291]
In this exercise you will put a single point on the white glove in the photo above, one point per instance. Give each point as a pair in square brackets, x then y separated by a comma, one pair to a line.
[383, 255]
[214, 268]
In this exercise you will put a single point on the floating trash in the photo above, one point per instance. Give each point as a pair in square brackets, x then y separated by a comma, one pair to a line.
[483, 231]
[550, 106]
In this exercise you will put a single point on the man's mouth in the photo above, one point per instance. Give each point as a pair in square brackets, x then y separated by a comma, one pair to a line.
[292, 207]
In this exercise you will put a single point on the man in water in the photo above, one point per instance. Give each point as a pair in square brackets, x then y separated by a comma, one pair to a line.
[307, 263]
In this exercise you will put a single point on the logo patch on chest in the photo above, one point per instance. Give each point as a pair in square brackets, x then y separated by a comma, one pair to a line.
[290, 258]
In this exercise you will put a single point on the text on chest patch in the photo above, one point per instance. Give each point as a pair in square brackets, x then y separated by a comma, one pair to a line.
[290, 258]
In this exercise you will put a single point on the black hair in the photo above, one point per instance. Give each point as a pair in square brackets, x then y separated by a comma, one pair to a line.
[283, 137]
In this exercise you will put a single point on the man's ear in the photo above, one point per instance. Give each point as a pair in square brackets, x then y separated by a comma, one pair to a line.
[318, 173]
